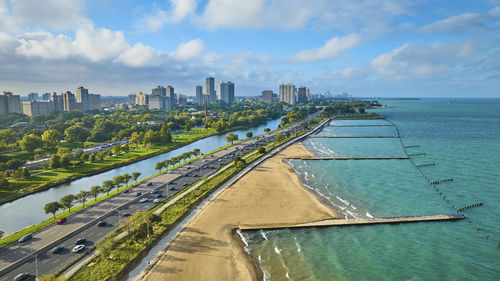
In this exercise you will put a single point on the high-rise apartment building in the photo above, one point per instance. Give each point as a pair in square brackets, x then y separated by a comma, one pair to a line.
[82, 97]
[10, 103]
[210, 89]
[199, 95]
[58, 102]
[159, 91]
[267, 96]
[131, 99]
[172, 99]
[287, 93]
[302, 95]
[141, 99]
[46, 96]
[69, 101]
[37, 107]
[226, 92]
[33, 96]
[94, 101]
[157, 102]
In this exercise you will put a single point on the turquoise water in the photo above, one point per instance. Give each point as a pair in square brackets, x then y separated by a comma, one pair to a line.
[462, 138]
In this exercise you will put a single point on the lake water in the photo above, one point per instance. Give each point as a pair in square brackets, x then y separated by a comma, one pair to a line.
[29, 210]
[462, 137]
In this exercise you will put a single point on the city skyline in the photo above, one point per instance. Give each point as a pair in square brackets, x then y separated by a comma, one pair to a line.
[368, 48]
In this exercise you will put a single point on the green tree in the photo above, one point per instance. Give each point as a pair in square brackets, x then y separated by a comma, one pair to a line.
[107, 186]
[159, 166]
[82, 197]
[25, 173]
[140, 222]
[65, 160]
[30, 142]
[267, 130]
[196, 152]
[166, 163]
[52, 208]
[231, 138]
[249, 135]
[126, 178]
[95, 191]
[117, 149]
[135, 176]
[1, 234]
[262, 150]
[52, 137]
[67, 201]
[136, 139]
[125, 148]
[76, 134]
[188, 126]
[279, 137]
[55, 161]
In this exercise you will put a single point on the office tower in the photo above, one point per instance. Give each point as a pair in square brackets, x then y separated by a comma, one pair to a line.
[210, 89]
[46, 96]
[199, 95]
[302, 95]
[58, 102]
[10, 103]
[267, 96]
[131, 99]
[37, 107]
[69, 101]
[287, 93]
[94, 101]
[226, 92]
[33, 96]
[159, 91]
[172, 98]
[156, 102]
[141, 99]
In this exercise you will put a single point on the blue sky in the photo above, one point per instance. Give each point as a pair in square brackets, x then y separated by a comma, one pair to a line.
[367, 48]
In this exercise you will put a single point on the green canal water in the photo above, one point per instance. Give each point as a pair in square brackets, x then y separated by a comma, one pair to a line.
[462, 138]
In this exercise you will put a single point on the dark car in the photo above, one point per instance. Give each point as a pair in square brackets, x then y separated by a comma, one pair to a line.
[125, 215]
[101, 223]
[158, 195]
[80, 241]
[61, 220]
[25, 238]
[149, 184]
[138, 193]
[126, 191]
[57, 249]
[21, 276]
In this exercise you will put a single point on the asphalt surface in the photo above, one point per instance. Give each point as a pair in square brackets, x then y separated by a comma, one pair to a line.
[83, 224]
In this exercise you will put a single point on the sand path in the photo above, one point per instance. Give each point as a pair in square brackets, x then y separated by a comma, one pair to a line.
[206, 248]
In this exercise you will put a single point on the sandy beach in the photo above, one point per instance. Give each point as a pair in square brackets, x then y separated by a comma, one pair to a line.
[207, 249]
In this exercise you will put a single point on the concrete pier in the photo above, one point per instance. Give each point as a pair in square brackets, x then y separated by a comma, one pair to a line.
[349, 222]
[350, 158]
[354, 137]
[381, 125]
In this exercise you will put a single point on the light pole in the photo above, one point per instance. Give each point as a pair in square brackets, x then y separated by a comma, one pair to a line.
[36, 264]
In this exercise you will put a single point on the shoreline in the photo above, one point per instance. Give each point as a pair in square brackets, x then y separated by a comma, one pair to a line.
[209, 247]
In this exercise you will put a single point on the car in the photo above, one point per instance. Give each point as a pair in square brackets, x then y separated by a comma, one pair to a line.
[149, 184]
[157, 200]
[154, 191]
[25, 238]
[21, 276]
[78, 248]
[158, 195]
[101, 223]
[125, 215]
[143, 200]
[172, 188]
[80, 241]
[61, 220]
[138, 193]
[57, 249]
[126, 191]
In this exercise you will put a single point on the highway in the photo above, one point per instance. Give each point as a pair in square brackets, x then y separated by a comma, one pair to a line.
[20, 257]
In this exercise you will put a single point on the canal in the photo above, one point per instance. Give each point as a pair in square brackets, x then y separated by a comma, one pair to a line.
[29, 210]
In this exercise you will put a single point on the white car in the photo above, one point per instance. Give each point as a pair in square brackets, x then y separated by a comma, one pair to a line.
[78, 248]
[143, 200]
[157, 200]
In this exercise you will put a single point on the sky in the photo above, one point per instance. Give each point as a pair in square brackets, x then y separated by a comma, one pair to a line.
[367, 48]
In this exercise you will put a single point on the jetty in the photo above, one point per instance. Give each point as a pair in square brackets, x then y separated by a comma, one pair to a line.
[354, 137]
[349, 222]
[351, 158]
[372, 125]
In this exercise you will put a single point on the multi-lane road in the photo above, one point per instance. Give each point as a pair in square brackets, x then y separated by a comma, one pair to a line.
[35, 254]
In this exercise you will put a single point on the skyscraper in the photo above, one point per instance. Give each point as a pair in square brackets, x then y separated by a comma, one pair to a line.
[141, 99]
[199, 95]
[82, 97]
[131, 99]
[159, 91]
[210, 89]
[58, 102]
[172, 99]
[37, 107]
[33, 96]
[287, 93]
[226, 92]
[94, 101]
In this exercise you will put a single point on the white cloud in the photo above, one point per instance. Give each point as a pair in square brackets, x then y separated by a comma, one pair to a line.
[160, 17]
[468, 22]
[182, 9]
[330, 50]
[101, 43]
[140, 55]
[45, 45]
[189, 51]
